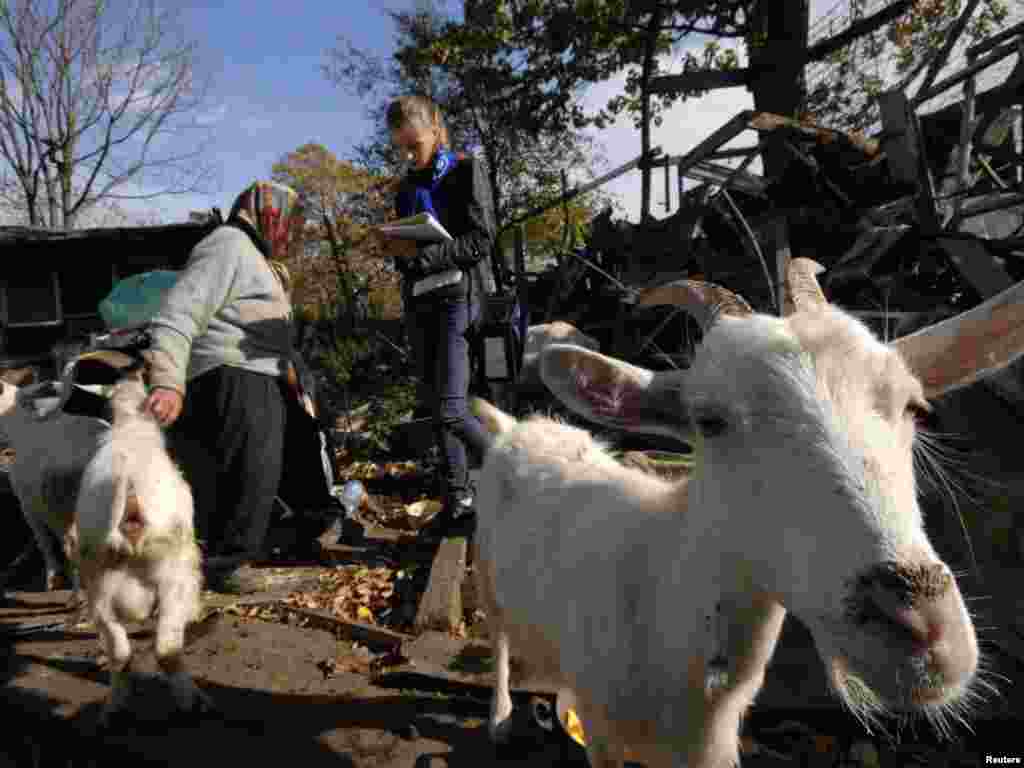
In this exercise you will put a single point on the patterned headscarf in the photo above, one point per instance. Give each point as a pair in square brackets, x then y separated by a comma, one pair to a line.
[272, 210]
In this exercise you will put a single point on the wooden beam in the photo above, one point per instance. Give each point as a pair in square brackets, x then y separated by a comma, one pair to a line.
[997, 39]
[766, 121]
[819, 51]
[947, 46]
[441, 604]
[783, 255]
[944, 85]
[899, 144]
[711, 144]
[725, 154]
[977, 266]
[588, 187]
[701, 80]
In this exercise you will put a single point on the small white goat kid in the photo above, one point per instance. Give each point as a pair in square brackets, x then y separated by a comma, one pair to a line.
[803, 498]
[137, 547]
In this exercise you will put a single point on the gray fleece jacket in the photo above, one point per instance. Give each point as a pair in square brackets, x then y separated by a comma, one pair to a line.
[227, 308]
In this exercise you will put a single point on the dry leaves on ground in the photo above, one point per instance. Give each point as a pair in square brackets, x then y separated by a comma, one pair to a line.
[371, 470]
[350, 592]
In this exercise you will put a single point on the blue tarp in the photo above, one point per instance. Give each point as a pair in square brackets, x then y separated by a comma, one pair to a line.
[135, 300]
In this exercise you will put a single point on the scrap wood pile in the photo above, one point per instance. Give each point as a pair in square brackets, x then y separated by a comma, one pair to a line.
[915, 223]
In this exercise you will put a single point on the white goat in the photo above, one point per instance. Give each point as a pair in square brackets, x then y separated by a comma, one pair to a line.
[803, 499]
[51, 449]
[137, 547]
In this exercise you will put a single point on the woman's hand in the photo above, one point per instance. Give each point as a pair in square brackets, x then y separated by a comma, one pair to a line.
[165, 405]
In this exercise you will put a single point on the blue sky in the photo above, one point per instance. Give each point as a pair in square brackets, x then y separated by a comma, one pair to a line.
[271, 95]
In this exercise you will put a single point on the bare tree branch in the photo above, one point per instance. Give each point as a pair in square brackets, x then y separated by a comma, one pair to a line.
[94, 98]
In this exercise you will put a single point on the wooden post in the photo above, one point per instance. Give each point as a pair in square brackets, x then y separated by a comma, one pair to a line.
[1018, 142]
[681, 185]
[441, 604]
[783, 256]
[668, 188]
[966, 136]
[900, 144]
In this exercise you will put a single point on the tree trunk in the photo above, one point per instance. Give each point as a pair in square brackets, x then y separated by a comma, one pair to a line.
[778, 46]
[650, 49]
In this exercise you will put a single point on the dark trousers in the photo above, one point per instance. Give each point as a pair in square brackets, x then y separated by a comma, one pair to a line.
[229, 441]
[437, 327]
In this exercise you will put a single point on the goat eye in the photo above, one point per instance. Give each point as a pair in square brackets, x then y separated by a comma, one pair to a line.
[712, 426]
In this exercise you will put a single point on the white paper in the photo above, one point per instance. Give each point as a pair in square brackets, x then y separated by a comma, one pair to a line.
[422, 226]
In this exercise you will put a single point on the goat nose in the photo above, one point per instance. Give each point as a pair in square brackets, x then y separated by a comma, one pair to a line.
[922, 629]
[918, 599]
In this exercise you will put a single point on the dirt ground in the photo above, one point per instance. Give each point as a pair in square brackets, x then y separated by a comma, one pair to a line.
[289, 693]
[288, 690]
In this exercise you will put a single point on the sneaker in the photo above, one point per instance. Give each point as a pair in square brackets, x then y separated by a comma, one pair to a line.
[458, 518]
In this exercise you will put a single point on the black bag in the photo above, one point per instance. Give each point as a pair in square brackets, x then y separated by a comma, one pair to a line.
[307, 469]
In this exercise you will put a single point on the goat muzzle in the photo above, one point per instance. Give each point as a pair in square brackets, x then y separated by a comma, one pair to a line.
[920, 610]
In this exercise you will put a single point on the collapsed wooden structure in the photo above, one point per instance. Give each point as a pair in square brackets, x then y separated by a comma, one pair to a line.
[913, 224]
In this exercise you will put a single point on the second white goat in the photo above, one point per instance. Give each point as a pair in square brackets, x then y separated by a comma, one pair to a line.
[137, 547]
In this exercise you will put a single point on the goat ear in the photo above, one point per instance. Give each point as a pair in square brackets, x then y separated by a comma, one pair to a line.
[616, 394]
[969, 347]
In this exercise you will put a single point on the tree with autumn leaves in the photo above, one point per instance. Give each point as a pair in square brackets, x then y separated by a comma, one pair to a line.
[338, 256]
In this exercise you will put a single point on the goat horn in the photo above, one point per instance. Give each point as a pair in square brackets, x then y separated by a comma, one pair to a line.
[704, 301]
[802, 288]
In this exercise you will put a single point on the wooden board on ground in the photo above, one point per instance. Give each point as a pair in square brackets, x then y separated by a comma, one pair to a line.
[441, 604]
[438, 661]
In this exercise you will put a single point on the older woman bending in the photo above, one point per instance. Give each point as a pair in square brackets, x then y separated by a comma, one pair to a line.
[222, 341]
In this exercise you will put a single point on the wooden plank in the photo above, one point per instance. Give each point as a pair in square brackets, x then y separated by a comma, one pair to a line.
[858, 29]
[900, 146]
[952, 36]
[977, 266]
[441, 604]
[783, 256]
[700, 80]
[997, 55]
[712, 143]
[588, 187]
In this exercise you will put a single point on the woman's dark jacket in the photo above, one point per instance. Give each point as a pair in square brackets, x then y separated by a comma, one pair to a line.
[464, 205]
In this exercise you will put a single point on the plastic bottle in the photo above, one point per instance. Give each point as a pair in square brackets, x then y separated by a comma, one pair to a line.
[351, 497]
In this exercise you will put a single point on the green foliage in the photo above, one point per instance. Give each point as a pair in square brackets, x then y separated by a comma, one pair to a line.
[342, 356]
[516, 112]
[387, 409]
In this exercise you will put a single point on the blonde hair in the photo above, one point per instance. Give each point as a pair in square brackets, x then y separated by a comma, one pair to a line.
[420, 111]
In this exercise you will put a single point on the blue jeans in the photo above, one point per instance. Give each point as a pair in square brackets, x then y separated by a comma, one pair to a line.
[437, 327]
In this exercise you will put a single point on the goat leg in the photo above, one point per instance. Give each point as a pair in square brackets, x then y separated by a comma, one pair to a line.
[119, 652]
[174, 614]
[34, 516]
